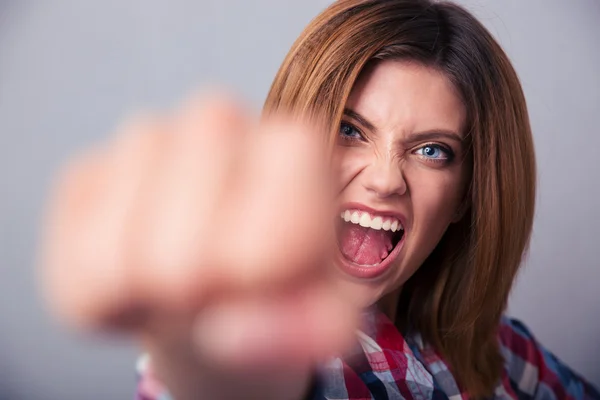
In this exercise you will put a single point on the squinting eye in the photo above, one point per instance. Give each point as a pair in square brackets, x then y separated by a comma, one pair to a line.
[347, 131]
[433, 151]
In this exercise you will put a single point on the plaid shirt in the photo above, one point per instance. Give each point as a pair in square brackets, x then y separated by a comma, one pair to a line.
[386, 365]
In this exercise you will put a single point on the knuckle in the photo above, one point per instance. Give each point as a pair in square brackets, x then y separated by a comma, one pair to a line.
[214, 115]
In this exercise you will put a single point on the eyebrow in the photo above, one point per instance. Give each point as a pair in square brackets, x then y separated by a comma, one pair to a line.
[433, 134]
[363, 121]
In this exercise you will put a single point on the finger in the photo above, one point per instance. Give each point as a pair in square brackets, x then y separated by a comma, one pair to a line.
[283, 227]
[137, 151]
[296, 329]
[65, 244]
[183, 209]
[94, 206]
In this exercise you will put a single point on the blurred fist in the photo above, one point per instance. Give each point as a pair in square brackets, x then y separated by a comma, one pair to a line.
[203, 228]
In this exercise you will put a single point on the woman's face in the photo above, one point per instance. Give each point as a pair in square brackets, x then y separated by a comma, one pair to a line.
[402, 179]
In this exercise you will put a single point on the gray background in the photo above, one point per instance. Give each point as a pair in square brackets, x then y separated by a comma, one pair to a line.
[69, 70]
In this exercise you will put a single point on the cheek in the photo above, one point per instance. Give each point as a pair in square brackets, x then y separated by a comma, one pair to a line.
[347, 163]
[435, 198]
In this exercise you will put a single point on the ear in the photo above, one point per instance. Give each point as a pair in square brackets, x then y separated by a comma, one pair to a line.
[461, 211]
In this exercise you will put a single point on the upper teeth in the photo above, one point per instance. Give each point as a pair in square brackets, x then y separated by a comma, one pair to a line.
[367, 220]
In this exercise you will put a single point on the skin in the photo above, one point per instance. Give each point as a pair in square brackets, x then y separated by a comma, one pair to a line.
[178, 231]
[401, 149]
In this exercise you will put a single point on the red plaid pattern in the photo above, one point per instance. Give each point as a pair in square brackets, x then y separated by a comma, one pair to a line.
[386, 365]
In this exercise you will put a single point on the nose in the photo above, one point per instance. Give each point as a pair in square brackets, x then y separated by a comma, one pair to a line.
[384, 178]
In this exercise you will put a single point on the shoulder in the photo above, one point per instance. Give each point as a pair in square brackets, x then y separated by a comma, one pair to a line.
[518, 344]
[532, 370]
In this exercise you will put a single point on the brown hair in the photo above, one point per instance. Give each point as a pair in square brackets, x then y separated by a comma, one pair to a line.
[455, 300]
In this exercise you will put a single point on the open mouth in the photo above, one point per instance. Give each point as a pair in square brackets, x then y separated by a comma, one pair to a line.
[368, 242]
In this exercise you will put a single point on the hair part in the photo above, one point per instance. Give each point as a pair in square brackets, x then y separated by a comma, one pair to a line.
[456, 298]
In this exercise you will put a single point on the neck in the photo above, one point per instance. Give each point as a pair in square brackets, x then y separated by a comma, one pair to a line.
[388, 304]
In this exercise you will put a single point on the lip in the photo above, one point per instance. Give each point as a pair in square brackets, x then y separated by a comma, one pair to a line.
[373, 211]
[360, 271]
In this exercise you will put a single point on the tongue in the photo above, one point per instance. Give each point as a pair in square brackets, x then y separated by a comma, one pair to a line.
[365, 246]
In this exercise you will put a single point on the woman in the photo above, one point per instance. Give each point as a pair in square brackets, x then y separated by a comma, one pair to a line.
[434, 178]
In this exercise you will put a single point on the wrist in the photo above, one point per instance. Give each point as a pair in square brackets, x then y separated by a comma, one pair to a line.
[185, 379]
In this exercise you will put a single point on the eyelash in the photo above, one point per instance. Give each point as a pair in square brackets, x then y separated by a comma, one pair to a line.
[343, 125]
[449, 154]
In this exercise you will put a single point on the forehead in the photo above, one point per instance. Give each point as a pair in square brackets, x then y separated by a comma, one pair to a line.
[407, 97]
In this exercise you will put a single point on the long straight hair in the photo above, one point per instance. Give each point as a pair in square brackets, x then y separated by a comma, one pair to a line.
[456, 298]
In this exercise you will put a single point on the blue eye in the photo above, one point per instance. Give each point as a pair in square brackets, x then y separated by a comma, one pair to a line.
[348, 131]
[434, 152]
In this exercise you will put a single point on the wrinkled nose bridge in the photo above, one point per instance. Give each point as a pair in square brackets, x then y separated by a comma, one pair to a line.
[384, 176]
